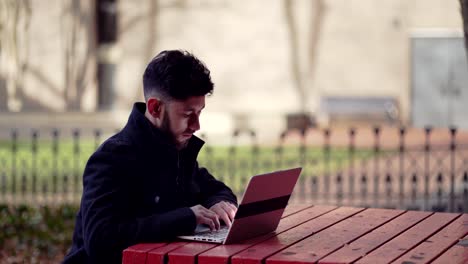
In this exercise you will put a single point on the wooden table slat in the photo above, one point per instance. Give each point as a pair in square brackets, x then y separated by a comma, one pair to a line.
[136, 254]
[302, 217]
[438, 243]
[222, 253]
[295, 208]
[377, 237]
[315, 247]
[457, 254]
[187, 253]
[158, 255]
[259, 252]
[407, 240]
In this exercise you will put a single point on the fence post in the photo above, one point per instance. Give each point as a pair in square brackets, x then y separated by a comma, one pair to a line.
[352, 148]
[231, 168]
[3, 180]
[279, 151]
[55, 147]
[76, 162]
[97, 138]
[363, 180]
[24, 169]
[339, 186]
[34, 149]
[402, 167]
[45, 186]
[313, 160]
[440, 207]
[453, 133]
[302, 162]
[14, 151]
[65, 174]
[241, 171]
[465, 192]
[376, 165]
[326, 157]
[427, 150]
[414, 191]
[254, 153]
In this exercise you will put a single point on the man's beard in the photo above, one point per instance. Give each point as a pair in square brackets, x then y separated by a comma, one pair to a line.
[166, 128]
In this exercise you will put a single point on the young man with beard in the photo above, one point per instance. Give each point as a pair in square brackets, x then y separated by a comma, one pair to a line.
[144, 184]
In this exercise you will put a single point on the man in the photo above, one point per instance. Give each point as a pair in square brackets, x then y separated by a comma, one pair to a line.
[144, 183]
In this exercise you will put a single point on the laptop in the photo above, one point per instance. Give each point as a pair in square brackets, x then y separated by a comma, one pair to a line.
[259, 212]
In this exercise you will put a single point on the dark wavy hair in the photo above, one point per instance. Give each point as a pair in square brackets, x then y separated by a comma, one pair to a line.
[176, 74]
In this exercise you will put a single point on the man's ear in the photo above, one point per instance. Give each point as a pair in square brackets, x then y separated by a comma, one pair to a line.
[154, 107]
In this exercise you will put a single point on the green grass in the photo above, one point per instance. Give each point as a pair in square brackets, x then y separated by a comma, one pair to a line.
[232, 165]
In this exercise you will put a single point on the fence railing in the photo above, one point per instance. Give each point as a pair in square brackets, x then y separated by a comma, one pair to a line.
[376, 167]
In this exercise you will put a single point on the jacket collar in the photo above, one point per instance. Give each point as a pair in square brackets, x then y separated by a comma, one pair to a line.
[146, 135]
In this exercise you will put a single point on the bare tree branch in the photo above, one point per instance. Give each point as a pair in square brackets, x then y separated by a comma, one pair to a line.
[15, 16]
[77, 31]
[318, 8]
[303, 76]
[294, 51]
[464, 13]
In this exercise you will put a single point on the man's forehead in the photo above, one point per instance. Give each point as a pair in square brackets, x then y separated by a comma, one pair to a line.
[191, 104]
[193, 107]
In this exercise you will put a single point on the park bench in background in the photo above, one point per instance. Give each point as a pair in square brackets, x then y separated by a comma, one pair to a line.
[369, 109]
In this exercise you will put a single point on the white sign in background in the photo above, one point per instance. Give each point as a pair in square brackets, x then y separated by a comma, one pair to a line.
[439, 80]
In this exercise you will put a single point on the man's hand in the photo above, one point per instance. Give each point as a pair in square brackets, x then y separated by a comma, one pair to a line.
[225, 211]
[205, 216]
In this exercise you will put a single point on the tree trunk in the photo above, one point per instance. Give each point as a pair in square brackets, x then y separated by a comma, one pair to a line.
[464, 12]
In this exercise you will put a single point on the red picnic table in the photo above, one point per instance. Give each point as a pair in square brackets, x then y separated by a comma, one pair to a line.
[330, 234]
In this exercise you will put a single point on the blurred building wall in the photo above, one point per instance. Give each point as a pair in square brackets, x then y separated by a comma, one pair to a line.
[267, 57]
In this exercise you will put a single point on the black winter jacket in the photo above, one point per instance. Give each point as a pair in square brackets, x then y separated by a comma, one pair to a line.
[138, 188]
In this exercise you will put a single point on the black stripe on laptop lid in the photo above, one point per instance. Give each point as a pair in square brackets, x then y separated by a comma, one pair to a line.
[261, 207]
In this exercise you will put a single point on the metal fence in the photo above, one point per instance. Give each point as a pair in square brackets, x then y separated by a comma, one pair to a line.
[372, 167]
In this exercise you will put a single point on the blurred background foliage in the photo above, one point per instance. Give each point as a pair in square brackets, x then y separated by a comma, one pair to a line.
[35, 234]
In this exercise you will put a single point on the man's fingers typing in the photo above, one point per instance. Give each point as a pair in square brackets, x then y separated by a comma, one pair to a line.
[207, 221]
[224, 216]
[225, 211]
[211, 216]
[205, 216]
[231, 211]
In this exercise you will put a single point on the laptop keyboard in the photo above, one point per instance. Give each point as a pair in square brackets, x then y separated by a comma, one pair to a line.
[213, 235]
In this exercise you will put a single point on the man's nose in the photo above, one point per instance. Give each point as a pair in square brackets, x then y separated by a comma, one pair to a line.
[195, 123]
